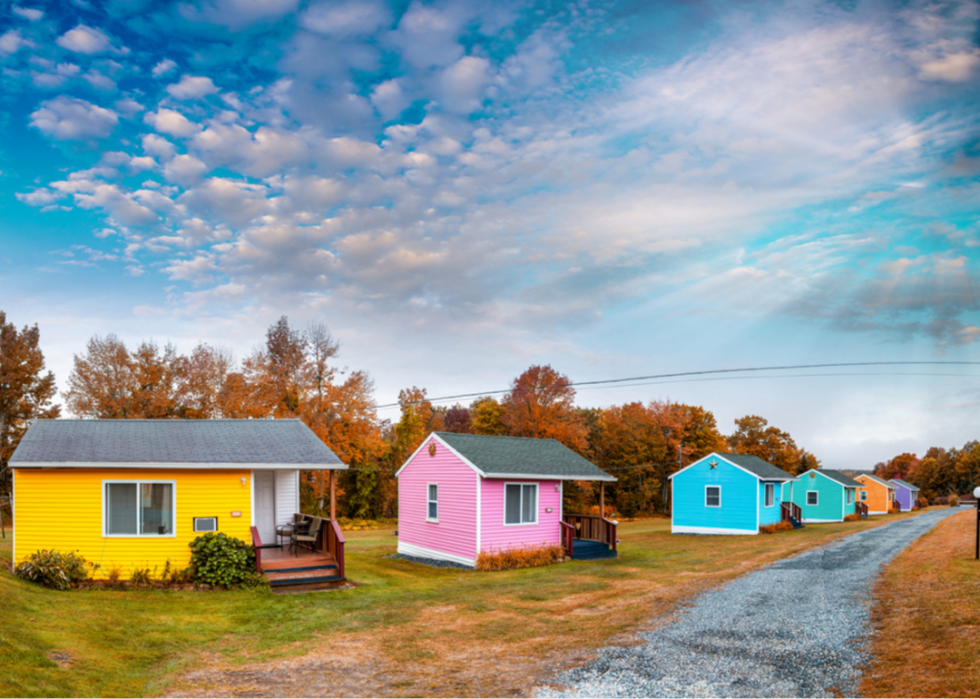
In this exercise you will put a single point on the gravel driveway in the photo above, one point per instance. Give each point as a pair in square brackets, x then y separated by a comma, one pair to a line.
[794, 629]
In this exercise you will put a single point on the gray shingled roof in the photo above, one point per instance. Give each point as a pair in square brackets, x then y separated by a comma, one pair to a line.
[877, 480]
[844, 480]
[763, 469]
[523, 456]
[904, 484]
[82, 442]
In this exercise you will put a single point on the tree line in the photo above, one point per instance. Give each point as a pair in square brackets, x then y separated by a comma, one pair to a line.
[294, 374]
[939, 473]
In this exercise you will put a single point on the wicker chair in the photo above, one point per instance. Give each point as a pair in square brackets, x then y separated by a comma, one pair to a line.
[308, 536]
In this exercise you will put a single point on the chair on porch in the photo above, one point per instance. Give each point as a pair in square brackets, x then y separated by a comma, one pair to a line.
[308, 536]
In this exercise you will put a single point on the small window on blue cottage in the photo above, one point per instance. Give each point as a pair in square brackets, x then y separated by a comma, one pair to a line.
[712, 496]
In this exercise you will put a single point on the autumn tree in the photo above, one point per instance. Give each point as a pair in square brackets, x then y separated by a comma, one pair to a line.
[108, 381]
[754, 436]
[488, 417]
[277, 371]
[458, 419]
[898, 467]
[541, 404]
[26, 391]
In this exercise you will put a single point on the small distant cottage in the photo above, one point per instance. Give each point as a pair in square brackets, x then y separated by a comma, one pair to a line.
[825, 495]
[876, 493]
[728, 494]
[906, 494]
[461, 494]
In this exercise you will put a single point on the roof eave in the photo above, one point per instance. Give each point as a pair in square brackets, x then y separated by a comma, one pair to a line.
[179, 465]
[549, 477]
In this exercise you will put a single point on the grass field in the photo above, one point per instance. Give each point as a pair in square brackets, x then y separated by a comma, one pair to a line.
[405, 629]
[927, 617]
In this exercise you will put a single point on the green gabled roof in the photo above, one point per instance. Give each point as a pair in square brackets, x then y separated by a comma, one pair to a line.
[904, 484]
[876, 479]
[833, 475]
[763, 469]
[502, 457]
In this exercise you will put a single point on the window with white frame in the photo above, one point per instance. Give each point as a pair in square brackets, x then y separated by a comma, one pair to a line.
[770, 494]
[850, 496]
[812, 497]
[864, 495]
[520, 503]
[139, 508]
[432, 506]
[712, 496]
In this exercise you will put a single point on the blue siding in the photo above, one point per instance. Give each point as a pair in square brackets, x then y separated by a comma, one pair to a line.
[738, 497]
[770, 515]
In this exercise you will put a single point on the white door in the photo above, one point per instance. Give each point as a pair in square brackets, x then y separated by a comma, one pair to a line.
[265, 506]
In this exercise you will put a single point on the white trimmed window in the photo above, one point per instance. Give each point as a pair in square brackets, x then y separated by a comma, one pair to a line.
[864, 495]
[520, 503]
[432, 504]
[138, 508]
[770, 494]
[712, 496]
[812, 497]
[850, 496]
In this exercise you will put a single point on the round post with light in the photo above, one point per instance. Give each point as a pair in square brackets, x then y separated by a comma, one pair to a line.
[976, 497]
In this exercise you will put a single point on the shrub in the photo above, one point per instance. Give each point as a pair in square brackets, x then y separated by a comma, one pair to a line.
[60, 571]
[853, 517]
[782, 526]
[894, 509]
[141, 576]
[923, 502]
[172, 575]
[522, 557]
[219, 559]
[953, 500]
[114, 575]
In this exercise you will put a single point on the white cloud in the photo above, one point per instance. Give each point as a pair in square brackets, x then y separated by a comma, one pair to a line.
[171, 122]
[954, 67]
[349, 19]
[83, 39]
[128, 106]
[463, 84]
[192, 87]
[11, 42]
[163, 67]
[158, 146]
[28, 13]
[70, 118]
[42, 196]
[237, 14]
[185, 170]
[99, 81]
[389, 98]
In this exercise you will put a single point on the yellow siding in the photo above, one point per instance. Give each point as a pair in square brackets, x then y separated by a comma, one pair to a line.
[61, 509]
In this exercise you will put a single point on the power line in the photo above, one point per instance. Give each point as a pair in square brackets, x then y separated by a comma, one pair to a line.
[681, 374]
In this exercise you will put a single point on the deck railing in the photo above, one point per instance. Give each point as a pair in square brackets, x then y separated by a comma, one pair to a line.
[593, 528]
[791, 510]
[257, 544]
[568, 538]
[861, 509]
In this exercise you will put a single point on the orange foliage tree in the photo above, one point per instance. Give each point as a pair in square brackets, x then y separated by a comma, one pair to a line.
[26, 390]
[754, 436]
[541, 404]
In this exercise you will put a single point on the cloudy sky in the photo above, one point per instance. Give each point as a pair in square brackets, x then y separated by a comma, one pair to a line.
[462, 189]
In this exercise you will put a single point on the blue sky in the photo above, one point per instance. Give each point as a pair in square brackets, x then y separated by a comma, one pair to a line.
[462, 189]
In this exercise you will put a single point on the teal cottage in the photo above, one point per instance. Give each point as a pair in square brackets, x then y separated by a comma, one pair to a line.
[728, 494]
[824, 495]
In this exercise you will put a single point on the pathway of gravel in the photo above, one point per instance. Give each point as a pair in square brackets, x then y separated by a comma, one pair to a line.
[794, 629]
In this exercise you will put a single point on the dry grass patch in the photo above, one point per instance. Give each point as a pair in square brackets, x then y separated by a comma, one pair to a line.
[518, 558]
[927, 618]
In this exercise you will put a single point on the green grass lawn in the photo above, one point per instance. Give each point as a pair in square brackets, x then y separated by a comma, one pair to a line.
[429, 630]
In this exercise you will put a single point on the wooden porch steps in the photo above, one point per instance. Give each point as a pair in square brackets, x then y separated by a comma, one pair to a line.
[586, 550]
[304, 571]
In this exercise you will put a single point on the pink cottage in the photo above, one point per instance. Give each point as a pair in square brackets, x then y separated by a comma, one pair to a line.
[460, 494]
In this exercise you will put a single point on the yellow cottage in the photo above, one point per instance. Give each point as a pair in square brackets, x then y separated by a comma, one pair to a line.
[134, 493]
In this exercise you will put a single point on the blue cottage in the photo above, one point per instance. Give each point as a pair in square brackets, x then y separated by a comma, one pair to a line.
[727, 494]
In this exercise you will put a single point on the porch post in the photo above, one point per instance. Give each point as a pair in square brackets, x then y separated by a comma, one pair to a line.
[333, 496]
[602, 499]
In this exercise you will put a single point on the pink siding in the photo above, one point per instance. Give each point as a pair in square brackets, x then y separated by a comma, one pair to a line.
[495, 536]
[455, 532]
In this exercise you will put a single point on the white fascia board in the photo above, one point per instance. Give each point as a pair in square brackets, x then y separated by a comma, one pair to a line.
[674, 529]
[547, 477]
[730, 463]
[185, 466]
[423, 552]
[433, 435]
[820, 521]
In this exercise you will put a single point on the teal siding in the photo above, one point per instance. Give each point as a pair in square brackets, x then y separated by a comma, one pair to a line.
[770, 515]
[738, 497]
[831, 504]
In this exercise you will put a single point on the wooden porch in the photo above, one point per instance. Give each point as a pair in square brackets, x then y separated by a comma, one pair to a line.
[304, 568]
[587, 537]
[792, 513]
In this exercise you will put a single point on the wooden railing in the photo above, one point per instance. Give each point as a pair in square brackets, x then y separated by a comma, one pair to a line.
[791, 510]
[593, 528]
[567, 538]
[861, 509]
[335, 545]
[257, 544]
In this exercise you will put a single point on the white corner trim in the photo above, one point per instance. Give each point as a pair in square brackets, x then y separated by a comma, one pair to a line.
[423, 552]
[675, 529]
[479, 513]
[13, 519]
[251, 497]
